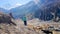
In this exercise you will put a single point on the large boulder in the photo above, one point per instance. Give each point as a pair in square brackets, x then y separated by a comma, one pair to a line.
[6, 18]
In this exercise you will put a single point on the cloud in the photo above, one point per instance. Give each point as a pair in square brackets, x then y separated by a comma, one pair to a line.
[36, 1]
[16, 5]
[8, 7]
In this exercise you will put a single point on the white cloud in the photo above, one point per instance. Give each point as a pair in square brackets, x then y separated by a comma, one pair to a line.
[16, 5]
[36, 1]
[13, 6]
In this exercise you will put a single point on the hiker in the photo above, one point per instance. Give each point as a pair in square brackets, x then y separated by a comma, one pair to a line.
[25, 21]
[11, 15]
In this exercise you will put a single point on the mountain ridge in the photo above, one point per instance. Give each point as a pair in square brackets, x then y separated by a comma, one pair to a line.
[46, 7]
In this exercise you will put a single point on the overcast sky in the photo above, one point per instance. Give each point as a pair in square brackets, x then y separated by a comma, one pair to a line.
[7, 4]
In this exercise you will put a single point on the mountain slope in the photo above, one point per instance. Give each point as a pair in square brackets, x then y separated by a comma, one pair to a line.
[28, 8]
[46, 9]
[42, 9]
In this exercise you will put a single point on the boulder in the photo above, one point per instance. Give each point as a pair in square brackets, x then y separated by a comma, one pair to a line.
[6, 18]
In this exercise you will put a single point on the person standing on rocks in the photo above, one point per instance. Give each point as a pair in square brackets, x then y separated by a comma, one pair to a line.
[11, 15]
[25, 21]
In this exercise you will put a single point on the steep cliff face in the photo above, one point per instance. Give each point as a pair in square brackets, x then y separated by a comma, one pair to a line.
[47, 9]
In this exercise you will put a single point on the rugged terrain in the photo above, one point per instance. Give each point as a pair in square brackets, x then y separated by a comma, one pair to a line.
[34, 26]
[21, 29]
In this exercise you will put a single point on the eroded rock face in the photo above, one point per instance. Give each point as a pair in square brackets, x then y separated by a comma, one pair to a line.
[6, 18]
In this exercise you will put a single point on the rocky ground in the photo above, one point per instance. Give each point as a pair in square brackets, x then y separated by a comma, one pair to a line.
[19, 28]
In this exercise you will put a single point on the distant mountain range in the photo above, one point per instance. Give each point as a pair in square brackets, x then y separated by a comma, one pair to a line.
[3, 10]
[41, 10]
[22, 10]
[28, 8]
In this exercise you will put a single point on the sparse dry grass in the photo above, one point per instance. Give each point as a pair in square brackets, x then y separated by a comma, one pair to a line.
[31, 28]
